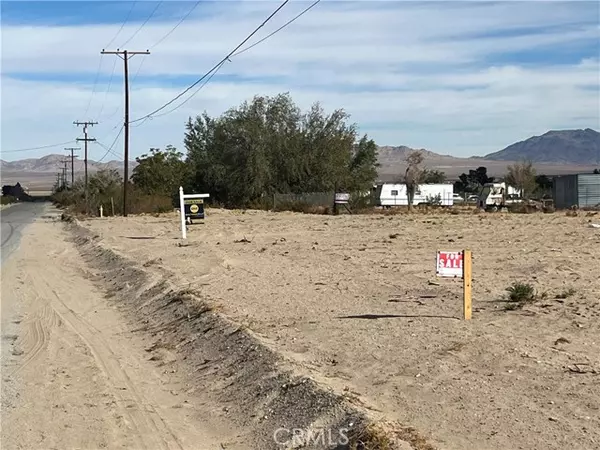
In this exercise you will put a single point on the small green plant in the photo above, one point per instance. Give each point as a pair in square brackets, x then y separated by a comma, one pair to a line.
[566, 293]
[520, 294]
[434, 200]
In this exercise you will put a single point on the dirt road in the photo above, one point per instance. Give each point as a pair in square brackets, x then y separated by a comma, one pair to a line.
[73, 374]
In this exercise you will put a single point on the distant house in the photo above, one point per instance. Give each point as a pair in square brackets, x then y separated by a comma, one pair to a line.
[580, 190]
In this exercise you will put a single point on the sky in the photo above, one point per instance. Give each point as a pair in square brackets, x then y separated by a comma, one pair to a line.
[459, 78]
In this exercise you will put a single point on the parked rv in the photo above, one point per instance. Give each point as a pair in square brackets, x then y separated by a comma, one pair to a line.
[495, 196]
[388, 195]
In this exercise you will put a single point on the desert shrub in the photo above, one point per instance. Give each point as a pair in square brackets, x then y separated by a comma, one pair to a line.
[566, 293]
[522, 208]
[105, 188]
[140, 203]
[302, 207]
[520, 294]
[434, 200]
[7, 199]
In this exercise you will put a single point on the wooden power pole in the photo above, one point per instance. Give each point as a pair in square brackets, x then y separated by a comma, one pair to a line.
[125, 55]
[72, 150]
[64, 173]
[85, 139]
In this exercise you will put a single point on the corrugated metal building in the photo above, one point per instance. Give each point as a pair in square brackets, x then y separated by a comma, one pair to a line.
[581, 190]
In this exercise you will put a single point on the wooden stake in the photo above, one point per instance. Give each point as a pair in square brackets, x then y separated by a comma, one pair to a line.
[467, 275]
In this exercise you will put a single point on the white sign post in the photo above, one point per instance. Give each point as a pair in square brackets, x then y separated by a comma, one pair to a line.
[182, 198]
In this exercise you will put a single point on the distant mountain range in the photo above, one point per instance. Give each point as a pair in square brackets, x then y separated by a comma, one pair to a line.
[553, 153]
[555, 147]
[53, 164]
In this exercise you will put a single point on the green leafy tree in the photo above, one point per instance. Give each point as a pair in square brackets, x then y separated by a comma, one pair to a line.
[268, 146]
[472, 182]
[433, 177]
[522, 176]
[104, 182]
[363, 165]
[160, 172]
[543, 185]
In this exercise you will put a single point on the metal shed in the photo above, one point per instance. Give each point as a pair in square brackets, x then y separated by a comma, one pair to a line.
[581, 190]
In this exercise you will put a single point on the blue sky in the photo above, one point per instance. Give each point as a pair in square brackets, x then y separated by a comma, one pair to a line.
[460, 78]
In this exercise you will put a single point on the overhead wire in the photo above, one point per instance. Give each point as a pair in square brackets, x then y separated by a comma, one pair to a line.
[109, 149]
[94, 87]
[112, 74]
[143, 59]
[142, 25]
[101, 57]
[37, 148]
[289, 22]
[122, 25]
[186, 15]
[137, 72]
[220, 63]
[191, 96]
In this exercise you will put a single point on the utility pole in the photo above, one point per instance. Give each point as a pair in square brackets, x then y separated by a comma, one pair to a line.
[85, 158]
[64, 173]
[72, 150]
[125, 56]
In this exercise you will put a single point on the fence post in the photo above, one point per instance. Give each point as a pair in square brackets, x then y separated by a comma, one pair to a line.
[182, 211]
[335, 210]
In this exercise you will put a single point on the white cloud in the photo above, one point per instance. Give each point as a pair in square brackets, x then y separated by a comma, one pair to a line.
[417, 74]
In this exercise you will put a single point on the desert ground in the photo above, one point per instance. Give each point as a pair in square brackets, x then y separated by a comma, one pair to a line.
[353, 302]
[74, 376]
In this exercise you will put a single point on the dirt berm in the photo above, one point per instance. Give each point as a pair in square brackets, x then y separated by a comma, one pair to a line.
[259, 389]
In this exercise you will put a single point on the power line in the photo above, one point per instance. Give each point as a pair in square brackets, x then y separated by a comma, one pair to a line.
[38, 148]
[108, 88]
[137, 72]
[191, 96]
[141, 26]
[109, 150]
[122, 25]
[101, 56]
[289, 22]
[216, 65]
[94, 88]
[177, 24]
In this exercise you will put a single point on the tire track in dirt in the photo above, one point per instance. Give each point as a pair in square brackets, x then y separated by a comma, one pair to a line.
[36, 337]
[151, 431]
[8, 236]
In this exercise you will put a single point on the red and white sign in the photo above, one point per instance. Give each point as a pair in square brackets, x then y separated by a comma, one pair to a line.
[449, 264]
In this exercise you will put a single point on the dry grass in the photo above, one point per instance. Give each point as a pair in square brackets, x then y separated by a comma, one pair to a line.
[385, 436]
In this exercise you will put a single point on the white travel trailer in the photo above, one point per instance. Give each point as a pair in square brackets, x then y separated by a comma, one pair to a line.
[388, 195]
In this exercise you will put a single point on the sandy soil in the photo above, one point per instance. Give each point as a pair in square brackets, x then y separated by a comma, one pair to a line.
[73, 373]
[349, 299]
